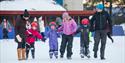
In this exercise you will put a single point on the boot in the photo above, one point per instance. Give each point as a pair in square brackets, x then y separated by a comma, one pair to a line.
[82, 55]
[19, 53]
[51, 55]
[23, 54]
[88, 55]
[56, 54]
[95, 55]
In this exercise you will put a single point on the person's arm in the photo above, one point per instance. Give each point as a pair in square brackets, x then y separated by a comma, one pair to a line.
[74, 26]
[17, 28]
[109, 23]
[39, 36]
[2, 24]
[47, 34]
[60, 28]
[17, 31]
[92, 23]
[78, 30]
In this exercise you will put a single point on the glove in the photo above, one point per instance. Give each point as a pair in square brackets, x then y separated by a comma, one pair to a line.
[91, 30]
[30, 35]
[44, 39]
[58, 30]
[19, 39]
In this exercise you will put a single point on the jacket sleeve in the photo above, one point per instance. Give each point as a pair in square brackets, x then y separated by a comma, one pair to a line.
[38, 35]
[78, 30]
[92, 23]
[48, 33]
[74, 26]
[60, 28]
[17, 27]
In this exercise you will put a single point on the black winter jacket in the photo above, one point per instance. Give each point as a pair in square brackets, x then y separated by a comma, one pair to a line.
[100, 20]
[20, 28]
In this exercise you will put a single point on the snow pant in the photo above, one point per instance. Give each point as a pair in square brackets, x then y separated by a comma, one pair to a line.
[5, 33]
[21, 50]
[100, 35]
[28, 48]
[53, 49]
[67, 40]
[84, 44]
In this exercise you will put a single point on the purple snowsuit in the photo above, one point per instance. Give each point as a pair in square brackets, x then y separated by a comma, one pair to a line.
[53, 43]
[53, 40]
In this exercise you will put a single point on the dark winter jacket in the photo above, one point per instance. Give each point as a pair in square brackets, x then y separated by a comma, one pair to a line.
[99, 21]
[84, 32]
[20, 28]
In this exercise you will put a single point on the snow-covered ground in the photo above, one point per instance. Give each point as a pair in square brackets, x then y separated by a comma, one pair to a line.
[115, 52]
[33, 5]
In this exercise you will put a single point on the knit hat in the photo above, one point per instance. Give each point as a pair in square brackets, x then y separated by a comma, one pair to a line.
[26, 13]
[100, 6]
[52, 23]
[34, 24]
[65, 14]
[85, 21]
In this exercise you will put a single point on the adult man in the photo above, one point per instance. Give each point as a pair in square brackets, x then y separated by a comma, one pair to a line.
[98, 24]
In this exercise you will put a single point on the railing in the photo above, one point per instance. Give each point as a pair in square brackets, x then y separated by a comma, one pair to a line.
[47, 13]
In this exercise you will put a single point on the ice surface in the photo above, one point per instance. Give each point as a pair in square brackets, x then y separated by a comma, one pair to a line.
[115, 52]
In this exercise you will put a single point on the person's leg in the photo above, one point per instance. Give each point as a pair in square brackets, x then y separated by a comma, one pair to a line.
[103, 43]
[63, 45]
[19, 51]
[96, 43]
[56, 49]
[86, 45]
[4, 33]
[27, 50]
[23, 49]
[109, 36]
[69, 47]
[33, 50]
[81, 47]
[51, 53]
[56, 53]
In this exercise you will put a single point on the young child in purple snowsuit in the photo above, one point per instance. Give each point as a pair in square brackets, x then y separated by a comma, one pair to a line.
[53, 41]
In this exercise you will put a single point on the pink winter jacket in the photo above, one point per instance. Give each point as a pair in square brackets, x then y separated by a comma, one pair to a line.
[68, 27]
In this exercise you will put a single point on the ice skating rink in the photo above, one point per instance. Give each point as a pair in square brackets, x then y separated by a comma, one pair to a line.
[115, 52]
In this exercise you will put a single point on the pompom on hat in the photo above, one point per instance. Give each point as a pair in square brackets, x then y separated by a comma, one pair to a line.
[26, 13]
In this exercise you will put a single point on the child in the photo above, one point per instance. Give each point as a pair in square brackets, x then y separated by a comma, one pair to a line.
[84, 38]
[68, 28]
[53, 41]
[31, 35]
